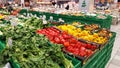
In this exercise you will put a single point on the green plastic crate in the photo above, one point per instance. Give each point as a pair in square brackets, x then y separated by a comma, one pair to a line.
[104, 23]
[101, 57]
[109, 52]
[13, 64]
[107, 59]
[112, 39]
[91, 61]
[110, 47]
[100, 60]
[102, 65]
[2, 45]
[76, 63]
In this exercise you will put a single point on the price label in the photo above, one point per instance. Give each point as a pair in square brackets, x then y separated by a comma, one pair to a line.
[35, 15]
[13, 24]
[7, 65]
[28, 15]
[44, 22]
[10, 42]
[24, 13]
[31, 14]
[41, 17]
[51, 17]
[60, 19]
[44, 17]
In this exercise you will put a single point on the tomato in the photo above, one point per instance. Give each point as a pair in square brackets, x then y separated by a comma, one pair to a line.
[93, 47]
[54, 29]
[51, 38]
[83, 44]
[63, 40]
[57, 40]
[88, 46]
[60, 36]
[52, 41]
[64, 32]
[38, 31]
[78, 46]
[65, 36]
[70, 36]
[70, 49]
[41, 32]
[89, 52]
[66, 44]
[82, 53]
[73, 40]
[82, 48]
[73, 45]
[76, 52]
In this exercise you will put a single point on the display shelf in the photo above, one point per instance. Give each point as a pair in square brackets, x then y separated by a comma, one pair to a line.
[104, 23]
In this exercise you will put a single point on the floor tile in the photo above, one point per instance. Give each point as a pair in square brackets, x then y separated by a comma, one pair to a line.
[118, 53]
[112, 66]
[115, 62]
[117, 57]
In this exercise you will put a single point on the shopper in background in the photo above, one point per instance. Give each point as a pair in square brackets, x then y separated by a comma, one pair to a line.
[31, 4]
[67, 7]
[53, 2]
[9, 7]
[119, 3]
[1, 5]
[61, 3]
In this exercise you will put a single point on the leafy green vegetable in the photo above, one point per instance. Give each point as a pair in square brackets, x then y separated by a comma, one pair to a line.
[34, 23]
[31, 50]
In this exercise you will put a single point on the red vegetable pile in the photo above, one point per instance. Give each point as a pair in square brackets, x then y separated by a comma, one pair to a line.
[71, 44]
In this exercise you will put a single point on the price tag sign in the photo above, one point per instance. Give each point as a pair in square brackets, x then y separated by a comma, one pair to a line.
[10, 42]
[24, 13]
[35, 15]
[41, 17]
[44, 22]
[51, 17]
[31, 14]
[28, 15]
[60, 20]
[7, 65]
[14, 24]
[44, 17]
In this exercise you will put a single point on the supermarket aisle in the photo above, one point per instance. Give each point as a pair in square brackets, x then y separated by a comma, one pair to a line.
[115, 58]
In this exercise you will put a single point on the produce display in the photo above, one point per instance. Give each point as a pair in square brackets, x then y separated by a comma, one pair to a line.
[83, 34]
[29, 49]
[104, 32]
[32, 44]
[34, 23]
[91, 27]
[71, 44]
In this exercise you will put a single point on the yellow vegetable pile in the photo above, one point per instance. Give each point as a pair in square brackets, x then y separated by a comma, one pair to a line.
[1, 16]
[83, 34]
